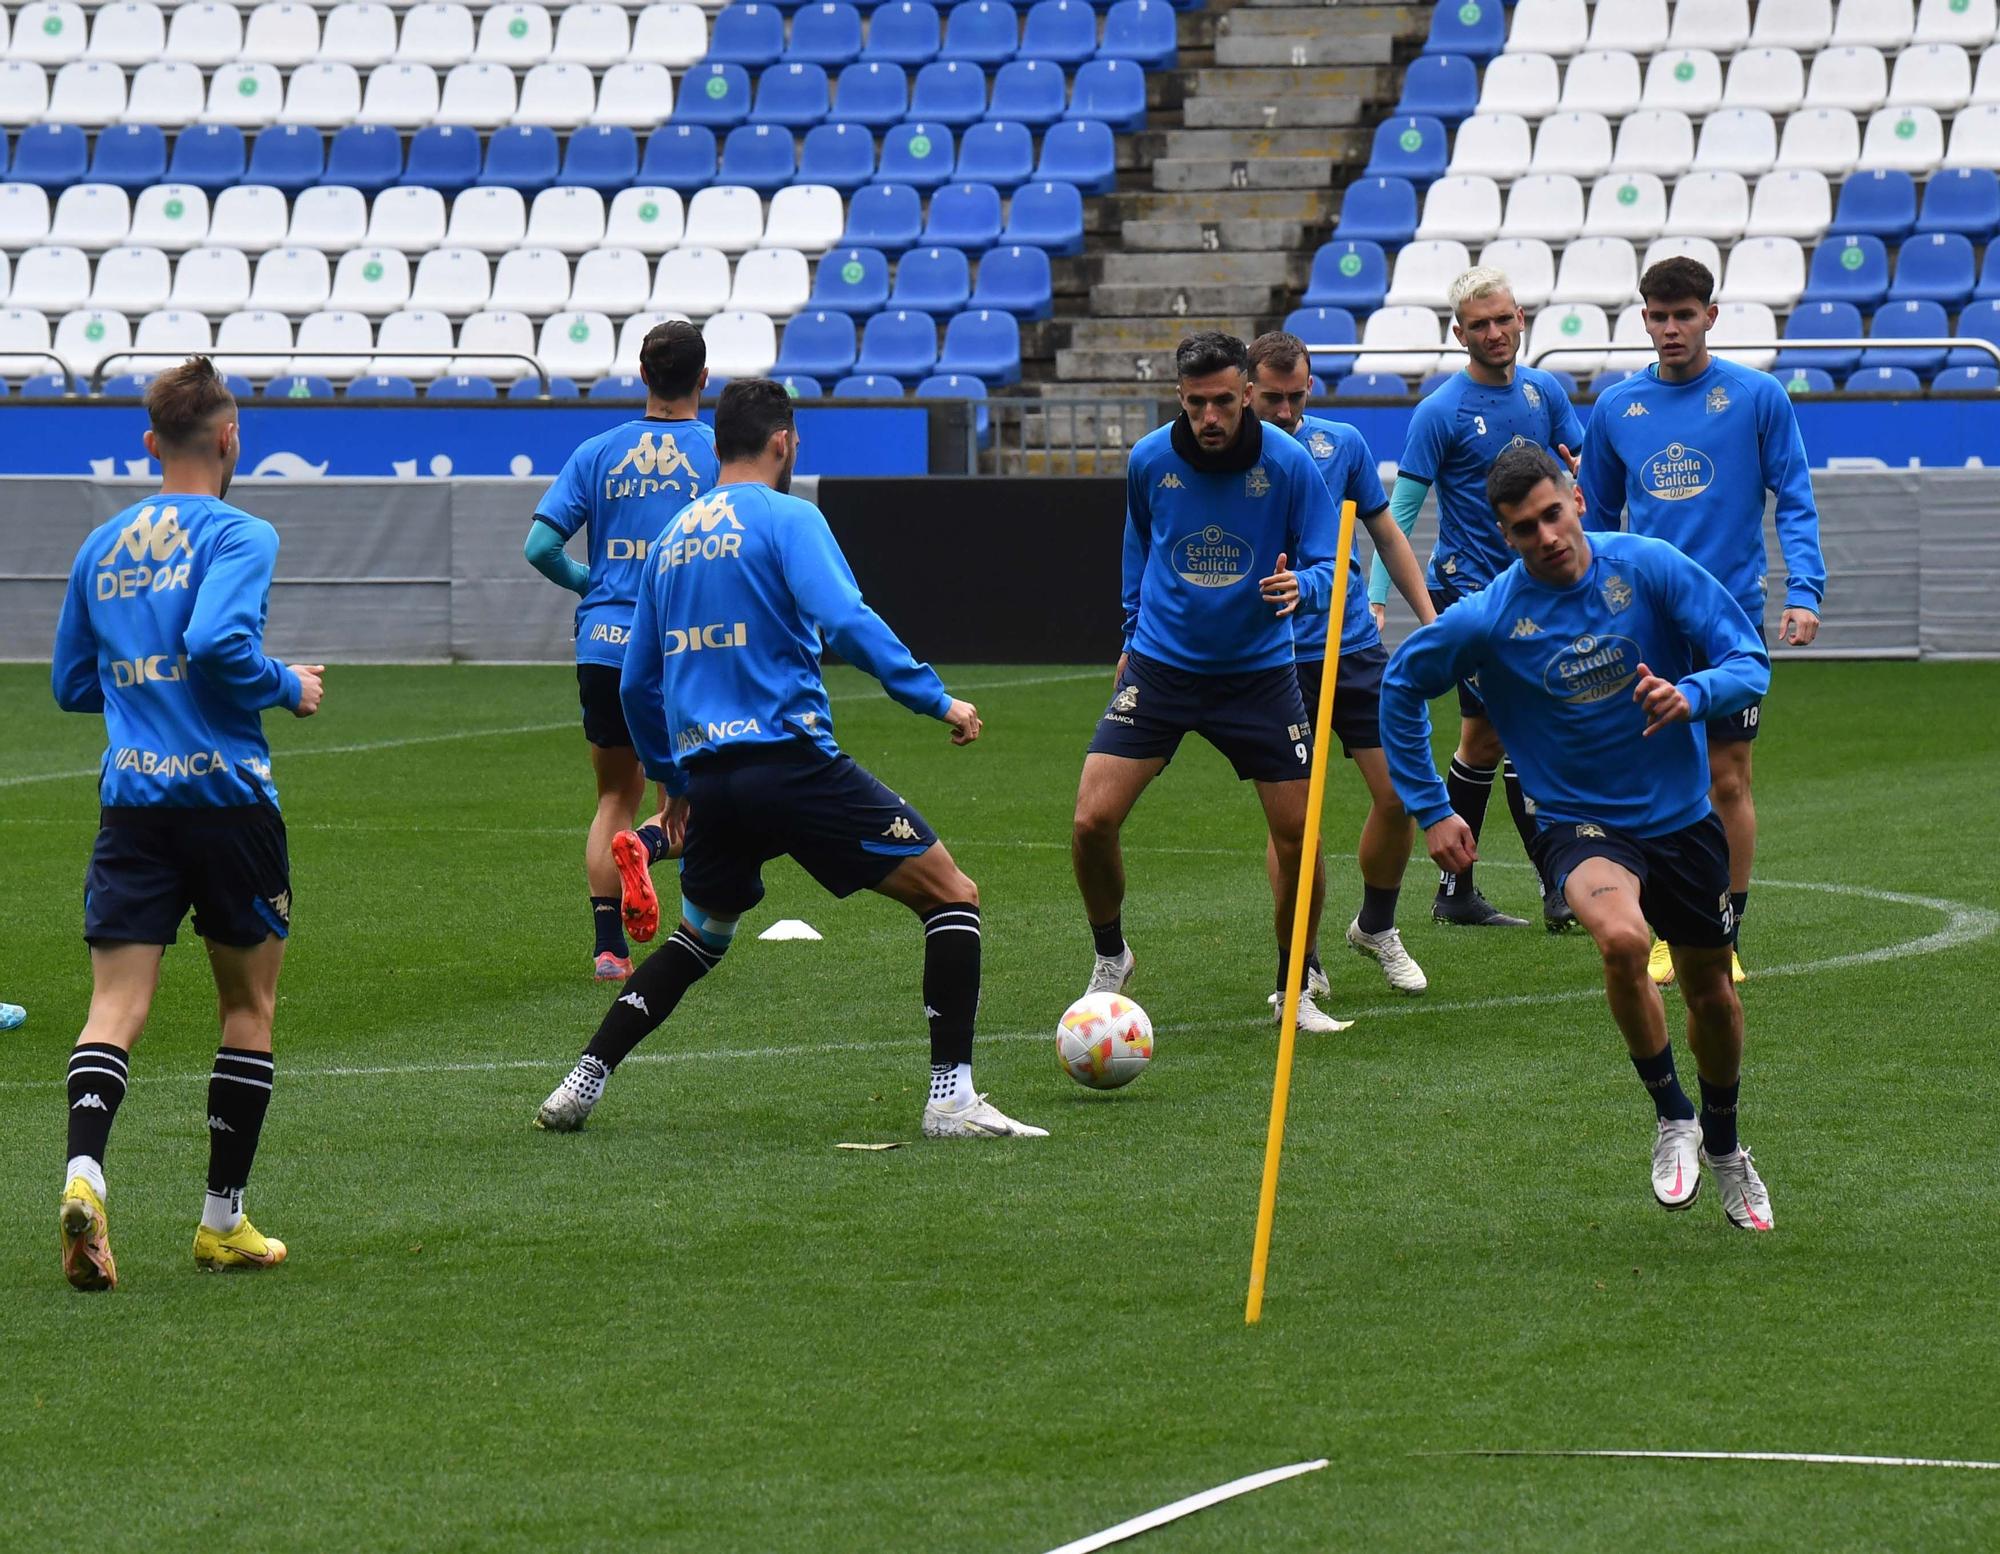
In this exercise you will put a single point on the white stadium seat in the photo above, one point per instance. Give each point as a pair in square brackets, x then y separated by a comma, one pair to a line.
[1581, 331]
[1424, 272]
[495, 329]
[374, 281]
[85, 337]
[414, 329]
[335, 330]
[1986, 81]
[24, 330]
[1402, 341]
[1791, 202]
[1713, 205]
[285, 32]
[127, 34]
[646, 217]
[807, 216]
[1544, 205]
[93, 216]
[1654, 140]
[740, 345]
[1975, 138]
[1464, 209]
[174, 334]
[322, 95]
[694, 281]
[406, 97]
[207, 35]
[1600, 270]
[515, 35]
[593, 35]
[531, 280]
[1770, 270]
[771, 280]
[1721, 25]
[6, 274]
[1744, 321]
[1636, 26]
[90, 93]
[211, 281]
[409, 219]
[249, 216]
[1553, 27]
[1528, 263]
[1969, 23]
[24, 93]
[50, 33]
[246, 95]
[452, 281]
[1910, 140]
[1828, 140]
[632, 335]
[1492, 145]
[612, 280]
[168, 93]
[1700, 249]
[1524, 84]
[1793, 24]
[1605, 81]
[671, 35]
[638, 96]
[560, 96]
[566, 218]
[173, 216]
[1771, 79]
[131, 280]
[725, 216]
[1882, 24]
[1578, 144]
[581, 345]
[1737, 140]
[1854, 78]
[253, 330]
[436, 35]
[1935, 75]
[360, 35]
[1687, 79]
[52, 278]
[481, 96]
[1627, 205]
[293, 281]
[331, 218]
[490, 220]
[1631, 347]
[24, 215]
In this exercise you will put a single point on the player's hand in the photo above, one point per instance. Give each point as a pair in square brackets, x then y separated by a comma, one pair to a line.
[1663, 700]
[1381, 614]
[1573, 460]
[674, 823]
[1797, 627]
[312, 688]
[1451, 845]
[1118, 674]
[964, 720]
[1281, 588]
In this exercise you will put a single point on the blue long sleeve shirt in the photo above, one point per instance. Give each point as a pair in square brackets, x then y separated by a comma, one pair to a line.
[1348, 468]
[624, 484]
[1690, 463]
[1556, 668]
[736, 600]
[1196, 545]
[162, 631]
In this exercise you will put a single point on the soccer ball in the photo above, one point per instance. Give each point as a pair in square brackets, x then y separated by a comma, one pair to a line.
[1104, 1041]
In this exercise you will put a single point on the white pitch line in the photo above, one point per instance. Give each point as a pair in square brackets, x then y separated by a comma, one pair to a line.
[1840, 1459]
[1187, 1507]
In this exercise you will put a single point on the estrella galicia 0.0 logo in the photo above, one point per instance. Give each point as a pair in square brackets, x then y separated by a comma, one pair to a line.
[1592, 669]
[1212, 558]
[1678, 472]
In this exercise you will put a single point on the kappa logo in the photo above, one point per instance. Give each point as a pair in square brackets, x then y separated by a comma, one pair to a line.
[217, 1125]
[1718, 400]
[1172, 482]
[1635, 408]
[1598, 832]
[1126, 700]
[281, 904]
[150, 542]
[91, 1102]
[1256, 483]
[1617, 593]
[638, 1003]
[901, 829]
[645, 457]
[1525, 628]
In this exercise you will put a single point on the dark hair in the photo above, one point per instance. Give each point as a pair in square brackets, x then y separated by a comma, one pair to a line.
[183, 400]
[1199, 355]
[672, 357]
[1277, 350]
[1520, 468]
[1676, 280]
[752, 409]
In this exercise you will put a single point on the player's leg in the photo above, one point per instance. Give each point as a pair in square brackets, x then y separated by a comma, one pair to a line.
[621, 787]
[1285, 818]
[239, 1094]
[1105, 793]
[1383, 854]
[1312, 677]
[123, 978]
[1729, 792]
[635, 852]
[1469, 782]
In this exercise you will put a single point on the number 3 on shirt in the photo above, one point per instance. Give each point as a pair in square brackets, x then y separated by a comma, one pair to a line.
[1479, 425]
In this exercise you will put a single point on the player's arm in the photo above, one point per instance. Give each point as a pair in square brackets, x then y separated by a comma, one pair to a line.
[829, 598]
[1566, 431]
[1304, 579]
[1406, 501]
[642, 693]
[1739, 669]
[1787, 474]
[1138, 542]
[1601, 480]
[1431, 660]
[545, 553]
[563, 509]
[225, 632]
[73, 665]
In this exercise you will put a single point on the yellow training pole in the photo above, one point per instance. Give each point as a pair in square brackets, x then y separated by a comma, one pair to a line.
[1295, 970]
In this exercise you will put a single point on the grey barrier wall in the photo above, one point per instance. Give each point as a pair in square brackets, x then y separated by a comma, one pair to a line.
[402, 571]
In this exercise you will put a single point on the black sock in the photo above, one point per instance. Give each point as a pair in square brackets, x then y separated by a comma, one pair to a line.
[1739, 902]
[1378, 907]
[1110, 937]
[239, 1093]
[951, 980]
[605, 913]
[1312, 962]
[1718, 1118]
[1519, 805]
[650, 995]
[654, 840]
[1468, 787]
[1664, 1086]
[97, 1073]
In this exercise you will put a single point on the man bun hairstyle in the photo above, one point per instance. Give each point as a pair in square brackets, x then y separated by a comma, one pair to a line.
[1678, 280]
[182, 402]
[1279, 351]
[671, 359]
[1520, 468]
[751, 412]
[1200, 355]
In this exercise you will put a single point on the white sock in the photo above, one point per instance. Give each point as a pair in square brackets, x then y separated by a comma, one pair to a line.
[951, 1083]
[91, 1170]
[221, 1212]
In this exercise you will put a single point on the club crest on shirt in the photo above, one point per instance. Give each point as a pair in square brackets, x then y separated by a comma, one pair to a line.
[1126, 699]
[1532, 395]
[1319, 445]
[1586, 829]
[1256, 483]
[1718, 400]
[1617, 593]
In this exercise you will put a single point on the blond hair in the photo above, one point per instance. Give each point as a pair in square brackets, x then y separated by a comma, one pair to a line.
[1479, 281]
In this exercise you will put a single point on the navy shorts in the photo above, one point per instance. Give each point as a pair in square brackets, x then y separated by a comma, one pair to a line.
[1357, 696]
[830, 814]
[1739, 728]
[1258, 720]
[603, 712]
[150, 865]
[1469, 704]
[1683, 876]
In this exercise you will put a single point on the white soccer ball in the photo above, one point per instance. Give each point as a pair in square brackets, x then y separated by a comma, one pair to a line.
[1104, 1041]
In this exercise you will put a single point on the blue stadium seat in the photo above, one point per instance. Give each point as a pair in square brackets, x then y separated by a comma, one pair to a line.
[1803, 380]
[4, 389]
[604, 157]
[841, 155]
[1433, 383]
[932, 280]
[1967, 380]
[380, 387]
[819, 344]
[717, 95]
[1988, 289]
[853, 281]
[1476, 28]
[908, 32]
[954, 385]
[209, 156]
[794, 95]
[1881, 203]
[50, 385]
[444, 157]
[872, 93]
[1445, 86]
[1934, 267]
[467, 386]
[964, 215]
[1883, 380]
[1031, 91]
[1354, 276]
[1110, 91]
[746, 35]
[1415, 148]
[1015, 280]
[888, 216]
[126, 385]
[1565, 381]
[1849, 269]
[1980, 321]
[54, 156]
[292, 157]
[679, 156]
[828, 34]
[1378, 210]
[1004, 156]
[530, 388]
[985, 345]
[800, 386]
[1965, 200]
[949, 91]
[1142, 31]
[1371, 385]
[866, 385]
[1324, 326]
[299, 386]
[919, 155]
[1062, 31]
[1080, 152]
[625, 388]
[1048, 216]
[1822, 321]
[898, 345]
[521, 157]
[132, 156]
[758, 156]
[982, 32]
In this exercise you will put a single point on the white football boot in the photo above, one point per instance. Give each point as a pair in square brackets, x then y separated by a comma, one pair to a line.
[1318, 984]
[1313, 1020]
[1744, 1198]
[1386, 949]
[974, 1118]
[1111, 973]
[572, 1101]
[1676, 1174]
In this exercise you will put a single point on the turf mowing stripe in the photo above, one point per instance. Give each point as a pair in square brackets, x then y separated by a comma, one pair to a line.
[1187, 1507]
[1839, 1459]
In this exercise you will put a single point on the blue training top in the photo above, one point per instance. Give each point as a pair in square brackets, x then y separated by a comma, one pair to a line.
[1348, 469]
[737, 599]
[1556, 668]
[625, 484]
[1690, 462]
[162, 631]
[1455, 435]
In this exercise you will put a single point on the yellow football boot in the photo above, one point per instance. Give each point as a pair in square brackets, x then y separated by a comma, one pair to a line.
[1660, 963]
[245, 1247]
[1736, 971]
[86, 1240]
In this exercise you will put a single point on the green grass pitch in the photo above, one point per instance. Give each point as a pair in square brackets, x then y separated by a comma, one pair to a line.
[698, 1326]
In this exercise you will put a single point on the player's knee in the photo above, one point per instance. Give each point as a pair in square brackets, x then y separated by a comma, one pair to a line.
[713, 932]
[1093, 826]
[1625, 948]
[1710, 996]
[1728, 788]
[1478, 745]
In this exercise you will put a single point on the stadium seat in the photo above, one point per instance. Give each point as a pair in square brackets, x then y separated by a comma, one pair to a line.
[758, 156]
[26, 330]
[326, 96]
[1575, 145]
[246, 95]
[1082, 153]
[1880, 204]
[1031, 92]
[444, 157]
[964, 215]
[798, 385]
[604, 158]
[898, 344]
[1599, 270]
[132, 156]
[24, 91]
[557, 95]
[953, 385]
[1807, 380]
[740, 345]
[919, 155]
[674, 35]
[1570, 337]
[592, 35]
[1372, 385]
[1476, 29]
[679, 157]
[50, 33]
[819, 344]
[363, 35]
[1354, 276]
[51, 278]
[1637, 26]
[1935, 267]
[407, 96]
[1720, 25]
[1883, 380]
[747, 34]
[1412, 148]
[1324, 327]
[53, 156]
[648, 217]
[1605, 81]
[1770, 270]
[1433, 383]
[1980, 321]
[381, 387]
[1109, 91]
[866, 385]
[871, 93]
[715, 94]
[774, 281]
[1687, 80]
[1466, 210]
[209, 280]
[1790, 203]
[1969, 22]
[87, 93]
[851, 281]
[85, 337]
[91, 216]
[1378, 210]
[1737, 140]
[296, 385]
[1655, 141]
[1908, 139]
[1975, 135]
[1736, 325]
[517, 36]
[1812, 320]
[469, 386]
[1526, 85]
[1770, 79]
[1062, 32]
[496, 329]
[168, 93]
[950, 92]
[291, 281]
[1424, 271]
[1907, 321]
[693, 281]
[569, 219]
[368, 157]
[578, 345]
[452, 281]
[632, 336]
[1554, 27]
[410, 219]
[1000, 154]
[612, 280]
[908, 33]
[982, 344]
[1967, 380]
[371, 281]
[1934, 75]
[795, 96]
[841, 156]
[1048, 216]
[413, 330]
[932, 280]
[1145, 32]
[1712, 204]
[1853, 78]
[1403, 341]
[126, 385]
[1884, 24]
[636, 94]
[292, 158]
[889, 216]
[981, 32]
[173, 334]
[1499, 146]
[1852, 268]
[172, 216]
[808, 217]
[1015, 280]
[522, 157]
[1544, 205]
[1964, 200]
[436, 34]
[1444, 86]
[727, 217]
[491, 220]
[1529, 265]
[824, 34]
[1823, 140]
